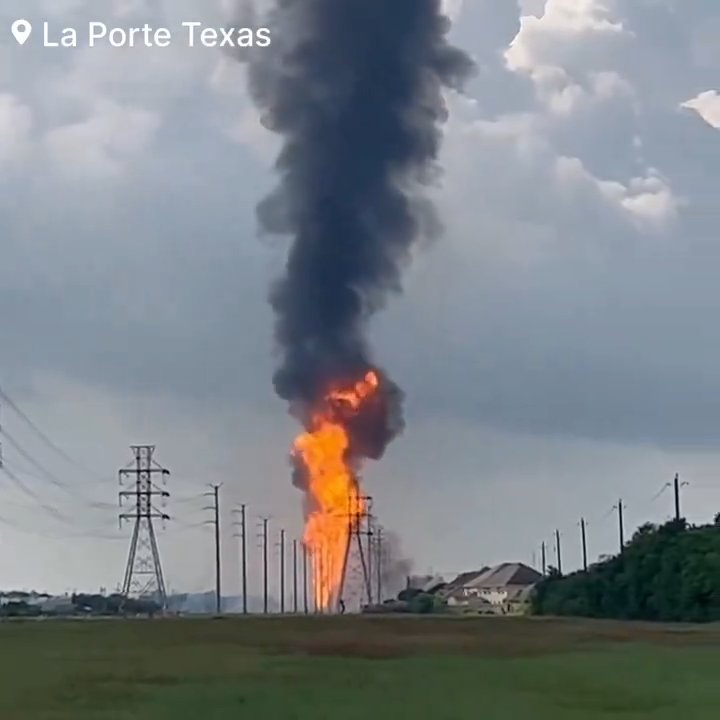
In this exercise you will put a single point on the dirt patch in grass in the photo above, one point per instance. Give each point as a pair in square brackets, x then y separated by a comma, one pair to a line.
[493, 637]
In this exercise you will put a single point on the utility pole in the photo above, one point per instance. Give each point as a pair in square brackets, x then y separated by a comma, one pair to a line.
[282, 572]
[543, 553]
[215, 493]
[584, 544]
[305, 577]
[144, 557]
[379, 564]
[264, 545]
[295, 577]
[243, 556]
[370, 538]
[677, 485]
[317, 571]
[621, 524]
[557, 551]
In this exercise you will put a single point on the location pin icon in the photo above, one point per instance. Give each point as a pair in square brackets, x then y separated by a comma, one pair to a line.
[21, 29]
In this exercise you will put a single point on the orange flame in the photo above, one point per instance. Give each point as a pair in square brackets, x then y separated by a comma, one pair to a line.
[335, 498]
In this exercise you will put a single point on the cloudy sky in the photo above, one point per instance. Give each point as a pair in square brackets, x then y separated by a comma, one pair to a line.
[559, 346]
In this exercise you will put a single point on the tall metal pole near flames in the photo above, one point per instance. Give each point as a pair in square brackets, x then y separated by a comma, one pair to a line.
[264, 546]
[305, 577]
[370, 550]
[295, 576]
[282, 572]
[379, 564]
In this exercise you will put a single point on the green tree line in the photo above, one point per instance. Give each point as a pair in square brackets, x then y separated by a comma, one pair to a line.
[668, 573]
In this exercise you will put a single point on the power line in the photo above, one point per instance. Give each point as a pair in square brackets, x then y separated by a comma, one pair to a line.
[41, 434]
[23, 487]
[48, 475]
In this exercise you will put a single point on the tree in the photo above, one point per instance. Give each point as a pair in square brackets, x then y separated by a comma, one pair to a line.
[669, 572]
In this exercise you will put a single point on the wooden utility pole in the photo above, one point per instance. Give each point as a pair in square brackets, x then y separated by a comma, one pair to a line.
[677, 484]
[379, 564]
[305, 578]
[282, 572]
[543, 553]
[557, 551]
[243, 556]
[218, 570]
[264, 545]
[621, 524]
[295, 577]
[584, 544]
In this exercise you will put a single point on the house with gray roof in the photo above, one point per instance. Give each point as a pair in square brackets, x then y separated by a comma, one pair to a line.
[499, 586]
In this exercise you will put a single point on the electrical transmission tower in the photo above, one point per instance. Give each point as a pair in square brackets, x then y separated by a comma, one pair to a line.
[143, 572]
[356, 580]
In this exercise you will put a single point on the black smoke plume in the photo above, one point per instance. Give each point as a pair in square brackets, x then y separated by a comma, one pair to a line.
[355, 89]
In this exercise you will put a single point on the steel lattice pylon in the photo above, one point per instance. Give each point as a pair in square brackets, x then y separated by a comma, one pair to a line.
[356, 586]
[143, 572]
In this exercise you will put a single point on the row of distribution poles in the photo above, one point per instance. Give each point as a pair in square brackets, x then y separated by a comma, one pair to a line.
[618, 508]
[143, 571]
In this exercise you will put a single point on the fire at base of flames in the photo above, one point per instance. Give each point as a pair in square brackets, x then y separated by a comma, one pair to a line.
[335, 505]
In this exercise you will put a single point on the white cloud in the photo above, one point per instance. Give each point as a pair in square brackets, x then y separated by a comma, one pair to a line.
[707, 106]
[102, 145]
[16, 123]
[563, 28]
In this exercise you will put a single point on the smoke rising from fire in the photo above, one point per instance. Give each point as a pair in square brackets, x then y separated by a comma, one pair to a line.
[355, 90]
[354, 87]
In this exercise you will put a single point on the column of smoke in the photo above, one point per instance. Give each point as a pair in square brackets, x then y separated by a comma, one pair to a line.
[355, 90]
[394, 566]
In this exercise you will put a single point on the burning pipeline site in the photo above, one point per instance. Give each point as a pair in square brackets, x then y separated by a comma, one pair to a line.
[355, 89]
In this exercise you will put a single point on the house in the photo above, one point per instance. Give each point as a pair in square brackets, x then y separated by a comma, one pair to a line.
[505, 587]
[57, 605]
[456, 588]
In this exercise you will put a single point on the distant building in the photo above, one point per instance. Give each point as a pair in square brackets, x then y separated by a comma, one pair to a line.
[30, 598]
[58, 605]
[505, 588]
[456, 588]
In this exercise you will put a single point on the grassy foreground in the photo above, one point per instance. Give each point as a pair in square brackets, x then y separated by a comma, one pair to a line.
[379, 668]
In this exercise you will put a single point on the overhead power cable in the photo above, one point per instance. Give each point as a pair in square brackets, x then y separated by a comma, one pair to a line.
[23, 487]
[49, 476]
[7, 400]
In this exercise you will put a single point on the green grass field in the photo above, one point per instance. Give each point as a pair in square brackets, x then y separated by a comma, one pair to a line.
[369, 668]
